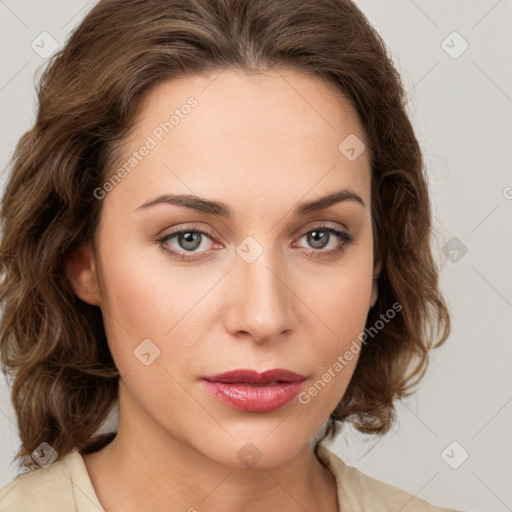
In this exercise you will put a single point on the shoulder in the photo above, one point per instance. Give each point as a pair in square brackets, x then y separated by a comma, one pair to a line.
[48, 489]
[360, 492]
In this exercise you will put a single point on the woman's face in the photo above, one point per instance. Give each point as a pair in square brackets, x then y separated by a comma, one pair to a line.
[269, 286]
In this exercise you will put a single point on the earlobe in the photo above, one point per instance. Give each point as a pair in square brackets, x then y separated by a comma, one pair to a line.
[375, 292]
[81, 272]
[375, 285]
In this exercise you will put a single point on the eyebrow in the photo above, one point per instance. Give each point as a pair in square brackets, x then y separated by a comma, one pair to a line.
[223, 210]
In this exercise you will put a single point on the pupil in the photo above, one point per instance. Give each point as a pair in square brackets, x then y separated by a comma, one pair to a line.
[319, 238]
[190, 238]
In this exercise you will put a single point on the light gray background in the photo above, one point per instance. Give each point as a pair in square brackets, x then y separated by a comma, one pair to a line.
[462, 111]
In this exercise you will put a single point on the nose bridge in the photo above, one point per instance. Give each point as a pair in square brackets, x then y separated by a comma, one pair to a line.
[263, 303]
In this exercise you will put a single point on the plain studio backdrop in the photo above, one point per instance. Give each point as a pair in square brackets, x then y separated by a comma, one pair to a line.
[453, 441]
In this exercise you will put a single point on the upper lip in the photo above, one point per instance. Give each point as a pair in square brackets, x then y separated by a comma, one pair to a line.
[254, 377]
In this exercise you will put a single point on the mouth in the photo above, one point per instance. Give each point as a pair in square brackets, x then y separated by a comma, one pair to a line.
[250, 391]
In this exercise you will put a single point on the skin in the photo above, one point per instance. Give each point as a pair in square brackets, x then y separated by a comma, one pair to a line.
[261, 143]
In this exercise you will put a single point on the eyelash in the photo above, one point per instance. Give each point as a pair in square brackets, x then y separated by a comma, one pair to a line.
[345, 239]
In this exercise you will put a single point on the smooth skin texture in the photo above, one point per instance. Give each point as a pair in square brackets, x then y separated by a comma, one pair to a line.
[261, 143]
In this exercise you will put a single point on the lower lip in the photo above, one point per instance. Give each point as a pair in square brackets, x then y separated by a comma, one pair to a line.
[246, 397]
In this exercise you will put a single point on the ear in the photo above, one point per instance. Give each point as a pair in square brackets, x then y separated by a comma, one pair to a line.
[375, 286]
[81, 272]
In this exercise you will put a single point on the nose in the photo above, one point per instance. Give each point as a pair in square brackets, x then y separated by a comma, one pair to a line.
[261, 303]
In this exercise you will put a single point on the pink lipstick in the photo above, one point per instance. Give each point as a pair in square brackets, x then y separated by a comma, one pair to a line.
[248, 390]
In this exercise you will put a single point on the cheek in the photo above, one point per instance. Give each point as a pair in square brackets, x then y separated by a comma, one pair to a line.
[341, 304]
[137, 304]
[342, 300]
[336, 352]
[338, 349]
[144, 297]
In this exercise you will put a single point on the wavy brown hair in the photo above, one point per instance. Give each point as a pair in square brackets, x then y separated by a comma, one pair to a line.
[53, 345]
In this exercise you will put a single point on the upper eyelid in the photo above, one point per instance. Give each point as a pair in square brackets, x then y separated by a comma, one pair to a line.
[318, 224]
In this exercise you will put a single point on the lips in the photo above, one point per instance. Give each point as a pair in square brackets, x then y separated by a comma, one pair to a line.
[253, 377]
[248, 390]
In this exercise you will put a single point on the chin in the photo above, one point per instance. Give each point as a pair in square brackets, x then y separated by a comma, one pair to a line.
[260, 451]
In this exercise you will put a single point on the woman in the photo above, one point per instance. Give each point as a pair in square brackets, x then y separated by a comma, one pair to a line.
[220, 223]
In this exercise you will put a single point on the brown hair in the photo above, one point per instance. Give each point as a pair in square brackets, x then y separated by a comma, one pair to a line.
[52, 343]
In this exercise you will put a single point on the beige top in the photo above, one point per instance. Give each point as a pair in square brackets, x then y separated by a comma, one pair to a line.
[65, 486]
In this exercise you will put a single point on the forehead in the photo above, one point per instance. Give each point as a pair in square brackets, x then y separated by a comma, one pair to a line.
[278, 133]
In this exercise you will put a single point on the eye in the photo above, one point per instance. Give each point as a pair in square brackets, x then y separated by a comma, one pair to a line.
[188, 240]
[321, 236]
